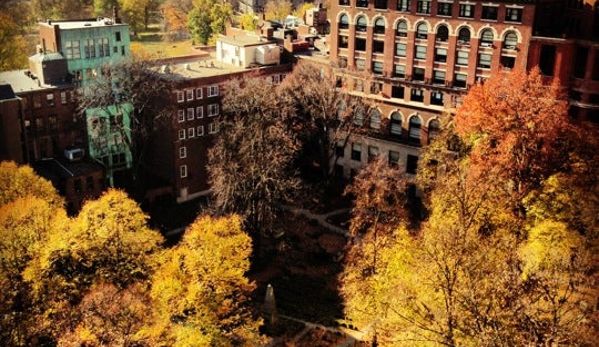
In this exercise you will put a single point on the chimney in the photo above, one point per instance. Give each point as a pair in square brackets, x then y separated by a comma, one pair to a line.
[115, 15]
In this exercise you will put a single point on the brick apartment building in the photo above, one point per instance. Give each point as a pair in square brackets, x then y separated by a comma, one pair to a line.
[425, 54]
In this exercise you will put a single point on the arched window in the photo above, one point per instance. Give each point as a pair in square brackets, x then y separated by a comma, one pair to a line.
[361, 24]
[359, 117]
[464, 36]
[402, 28]
[375, 119]
[422, 31]
[344, 21]
[379, 26]
[414, 130]
[486, 38]
[395, 124]
[442, 33]
[434, 128]
[510, 40]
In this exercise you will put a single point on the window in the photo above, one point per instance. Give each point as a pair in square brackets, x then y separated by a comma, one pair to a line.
[360, 44]
[582, 54]
[414, 128]
[421, 52]
[379, 25]
[395, 124]
[212, 110]
[400, 71]
[547, 61]
[486, 38]
[484, 61]
[422, 31]
[198, 93]
[378, 46]
[393, 158]
[344, 21]
[180, 96]
[441, 55]
[343, 41]
[63, 98]
[50, 99]
[437, 98]
[510, 40]
[361, 3]
[191, 132]
[402, 29]
[403, 5]
[359, 117]
[89, 48]
[189, 94]
[212, 128]
[466, 11]
[442, 33]
[182, 134]
[373, 152]
[411, 164]
[489, 12]
[361, 24]
[438, 77]
[183, 171]
[199, 112]
[462, 58]
[375, 120]
[418, 74]
[356, 151]
[400, 49]
[513, 15]
[377, 67]
[115, 49]
[103, 47]
[123, 50]
[52, 123]
[183, 152]
[190, 114]
[434, 128]
[89, 182]
[380, 4]
[423, 6]
[460, 80]
[37, 101]
[508, 62]
[339, 150]
[200, 131]
[464, 36]
[117, 36]
[212, 91]
[444, 9]
[343, 2]
[181, 116]
[417, 95]
[397, 92]
[360, 64]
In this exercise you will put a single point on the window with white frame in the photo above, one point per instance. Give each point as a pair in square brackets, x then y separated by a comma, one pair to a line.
[513, 15]
[373, 152]
[183, 171]
[190, 113]
[191, 132]
[63, 98]
[395, 124]
[212, 91]
[212, 110]
[183, 152]
[423, 6]
[400, 71]
[393, 158]
[484, 60]
[420, 53]
[200, 131]
[375, 119]
[180, 96]
[212, 128]
[199, 112]
[181, 115]
[400, 49]
[462, 58]
[189, 93]
[403, 5]
[466, 11]
[356, 151]
[401, 29]
[182, 134]
[199, 93]
[414, 128]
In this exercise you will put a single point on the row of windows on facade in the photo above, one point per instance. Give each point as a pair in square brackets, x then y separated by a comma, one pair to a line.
[198, 131]
[487, 35]
[189, 94]
[197, 113]
[51, 100]
[393, 157]
[446, 9]
[92, 48]
[89, 184]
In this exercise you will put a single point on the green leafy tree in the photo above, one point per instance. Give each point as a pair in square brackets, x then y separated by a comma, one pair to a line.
[207, 19]
[248, 22]
[12, 45]
[60, 9]
[104, 7]
[250, 163]
[200, 292]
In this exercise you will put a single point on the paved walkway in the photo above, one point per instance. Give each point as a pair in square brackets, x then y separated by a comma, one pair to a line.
[322, 219]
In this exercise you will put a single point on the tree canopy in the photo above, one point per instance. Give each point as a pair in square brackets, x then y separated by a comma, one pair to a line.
[207, 19]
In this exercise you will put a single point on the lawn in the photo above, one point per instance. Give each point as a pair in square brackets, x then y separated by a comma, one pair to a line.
[153, 43]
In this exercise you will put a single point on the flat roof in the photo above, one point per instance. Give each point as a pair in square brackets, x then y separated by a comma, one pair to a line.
[197, 67]
[245, 40]
[21, 83]
[82, 23]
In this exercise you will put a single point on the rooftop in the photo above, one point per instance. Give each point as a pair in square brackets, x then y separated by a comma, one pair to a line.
[22, 82]
[197, 66]
[82, 23]
[245, 40]
[60, 168]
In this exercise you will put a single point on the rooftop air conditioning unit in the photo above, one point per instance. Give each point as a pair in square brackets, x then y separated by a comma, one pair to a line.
[74, 154]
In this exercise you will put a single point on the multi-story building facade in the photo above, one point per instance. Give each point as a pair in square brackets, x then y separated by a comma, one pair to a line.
[423, 55]
[180, 147]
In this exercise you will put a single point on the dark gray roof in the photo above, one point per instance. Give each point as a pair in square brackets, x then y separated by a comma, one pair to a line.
[6, 92]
